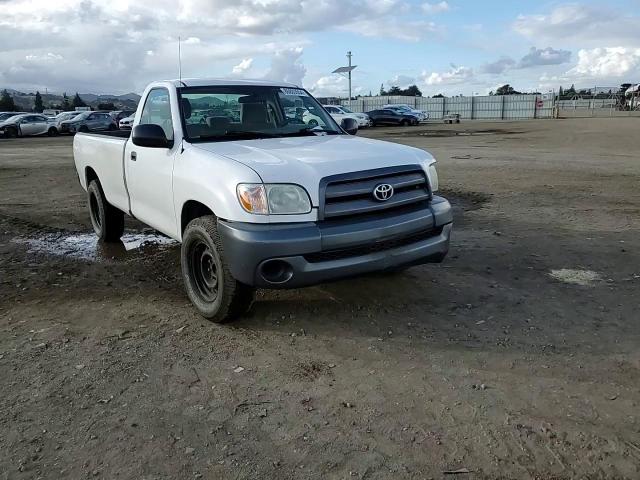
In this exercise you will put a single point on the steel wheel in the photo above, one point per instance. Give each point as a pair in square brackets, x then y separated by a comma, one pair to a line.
[204, 269]
[94, 210]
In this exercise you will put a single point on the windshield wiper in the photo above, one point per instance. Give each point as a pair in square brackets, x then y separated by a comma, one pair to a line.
[312, 130]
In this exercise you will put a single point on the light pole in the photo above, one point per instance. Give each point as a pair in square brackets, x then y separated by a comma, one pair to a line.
[346, 70]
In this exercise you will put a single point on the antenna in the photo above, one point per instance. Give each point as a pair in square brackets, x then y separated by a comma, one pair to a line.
[179, 61]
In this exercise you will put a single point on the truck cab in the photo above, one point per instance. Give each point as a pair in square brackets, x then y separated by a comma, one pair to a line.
[257, 196]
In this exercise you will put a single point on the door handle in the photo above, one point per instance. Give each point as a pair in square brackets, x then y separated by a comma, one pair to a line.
[134, 156]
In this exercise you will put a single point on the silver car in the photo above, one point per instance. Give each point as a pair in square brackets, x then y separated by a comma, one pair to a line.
[62, 117]
[89, 122]
[25, 125]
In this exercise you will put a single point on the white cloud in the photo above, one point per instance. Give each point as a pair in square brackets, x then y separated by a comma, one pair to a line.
[499, 66]
[454, 76]
[136, 42]
[605, 63]
[402, 81]
[544, 56]
[334, 86]
[242, 67]
[286, 66]
[433, 8]
[409, 31]
[589, 25]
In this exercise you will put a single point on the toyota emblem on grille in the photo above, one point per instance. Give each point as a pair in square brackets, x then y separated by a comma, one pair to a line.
[383, 192]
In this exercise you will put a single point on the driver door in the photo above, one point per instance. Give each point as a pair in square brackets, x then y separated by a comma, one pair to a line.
[150, 170]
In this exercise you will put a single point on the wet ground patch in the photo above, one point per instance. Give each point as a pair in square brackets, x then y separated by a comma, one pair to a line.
[86, 246]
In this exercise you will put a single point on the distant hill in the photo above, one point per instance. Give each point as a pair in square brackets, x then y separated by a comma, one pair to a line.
[25, 101]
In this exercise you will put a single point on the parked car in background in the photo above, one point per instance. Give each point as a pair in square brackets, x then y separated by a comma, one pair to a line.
[118, 115]
[388, 116]
[126, 123]
[404, 108]
[88, 122]
[363, 118]
[25, 125]
[62, 117]
[5, 115]
[339, 114]
[51, 112]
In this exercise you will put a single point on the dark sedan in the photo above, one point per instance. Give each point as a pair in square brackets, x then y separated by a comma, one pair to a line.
[388, 116]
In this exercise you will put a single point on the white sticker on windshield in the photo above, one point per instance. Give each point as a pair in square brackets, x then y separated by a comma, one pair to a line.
[298, 92]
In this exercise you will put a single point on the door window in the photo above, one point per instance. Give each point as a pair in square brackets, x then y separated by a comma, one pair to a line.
[157, 111]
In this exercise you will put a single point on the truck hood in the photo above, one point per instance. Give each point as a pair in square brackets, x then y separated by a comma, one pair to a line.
[305, 160]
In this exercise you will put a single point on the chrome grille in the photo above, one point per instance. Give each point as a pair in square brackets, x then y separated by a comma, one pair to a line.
[352, 194]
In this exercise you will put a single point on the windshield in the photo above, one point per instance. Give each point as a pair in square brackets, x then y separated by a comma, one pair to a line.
[6, 116]
[346, 110]
[12, 118]
[248, 112]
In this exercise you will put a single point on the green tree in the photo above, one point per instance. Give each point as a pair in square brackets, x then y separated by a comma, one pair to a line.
[506, 90]
[413, 91]
[438, 96]
[77, 101]
[394, 91]
[6, 102]
[65, 105]
[382, 92]
[38, 105]
[106, 106]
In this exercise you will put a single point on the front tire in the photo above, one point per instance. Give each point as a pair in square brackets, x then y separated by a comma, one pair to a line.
[107, 220]
[52, 132]
[207, 278]
[12, 132]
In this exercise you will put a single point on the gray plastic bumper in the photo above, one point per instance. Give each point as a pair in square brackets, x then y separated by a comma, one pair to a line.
[299, 254]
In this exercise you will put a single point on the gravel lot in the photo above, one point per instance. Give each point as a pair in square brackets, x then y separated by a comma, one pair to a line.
[518, 357]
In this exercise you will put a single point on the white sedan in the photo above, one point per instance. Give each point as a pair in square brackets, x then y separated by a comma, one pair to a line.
[126, 123]
[339, 112]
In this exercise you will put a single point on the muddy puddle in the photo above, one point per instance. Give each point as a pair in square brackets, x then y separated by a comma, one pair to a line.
[86, 246]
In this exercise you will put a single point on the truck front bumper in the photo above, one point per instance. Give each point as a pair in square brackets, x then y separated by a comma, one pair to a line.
[292, 255]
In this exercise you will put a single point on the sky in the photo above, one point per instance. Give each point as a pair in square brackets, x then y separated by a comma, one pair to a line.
[443, 46]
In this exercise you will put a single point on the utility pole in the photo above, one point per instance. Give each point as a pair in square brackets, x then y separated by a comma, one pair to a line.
[346, 70]
[349, 57]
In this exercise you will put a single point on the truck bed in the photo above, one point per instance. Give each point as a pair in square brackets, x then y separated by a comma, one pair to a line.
[110, 133]
[103, 154]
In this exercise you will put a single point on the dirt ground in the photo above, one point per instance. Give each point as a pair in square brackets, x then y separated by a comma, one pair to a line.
[516, 358]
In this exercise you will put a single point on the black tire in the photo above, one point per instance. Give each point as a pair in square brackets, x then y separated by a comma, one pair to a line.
[12, 132]
[374, 124]
[207, 278]
[107, 220]
[83, 129]
[458, 120]
[112, 127]
[53, 131]
[404, 123]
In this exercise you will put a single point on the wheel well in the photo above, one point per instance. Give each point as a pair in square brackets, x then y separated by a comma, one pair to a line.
[90, 175]
[191, 210]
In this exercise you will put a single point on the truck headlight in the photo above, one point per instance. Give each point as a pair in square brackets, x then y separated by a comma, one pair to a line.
[275, 199]
[433, 176]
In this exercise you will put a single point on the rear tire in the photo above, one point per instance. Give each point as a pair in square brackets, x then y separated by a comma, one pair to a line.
[12, 133]
[83, 129]
[207, 278]
[52, 132]
[404, 123]
[107, 220]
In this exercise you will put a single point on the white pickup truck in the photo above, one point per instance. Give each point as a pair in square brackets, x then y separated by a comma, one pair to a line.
[257, 197]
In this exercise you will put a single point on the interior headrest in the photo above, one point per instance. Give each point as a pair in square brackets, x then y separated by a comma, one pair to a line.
[186, 108]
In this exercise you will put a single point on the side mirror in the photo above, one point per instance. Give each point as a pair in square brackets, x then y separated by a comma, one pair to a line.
[349, 125]
[150, 135]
